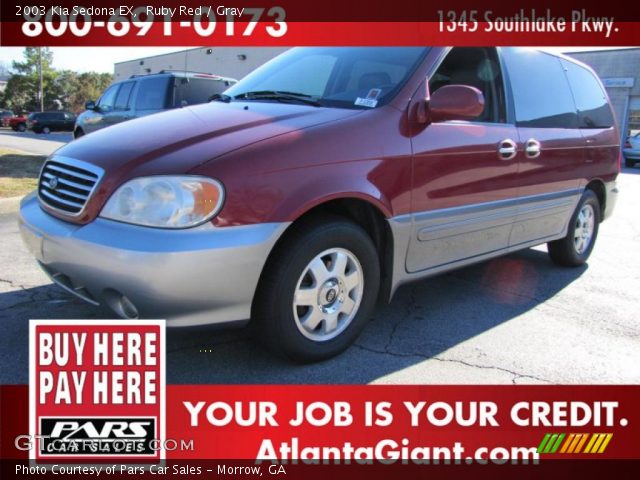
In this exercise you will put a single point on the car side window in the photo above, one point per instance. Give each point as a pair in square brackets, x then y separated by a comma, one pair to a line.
[122, 100]
[541, 92]
[590, 98]
[152, 93]
[475, 67]
[195, 90]
[108, 98]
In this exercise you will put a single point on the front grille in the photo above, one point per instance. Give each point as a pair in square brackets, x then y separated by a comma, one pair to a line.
[66, 184]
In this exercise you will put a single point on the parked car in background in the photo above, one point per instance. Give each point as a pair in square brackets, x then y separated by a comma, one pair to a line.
[143, 95]
[46, 122]
[18, 123]
[632, 150]
[323, 181]
[5, 115]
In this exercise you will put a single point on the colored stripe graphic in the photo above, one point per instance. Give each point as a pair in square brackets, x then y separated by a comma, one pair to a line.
[570, 440]
[555, 447]
[581, 443]
[603, 447]
[573, 443]
[543, 443]
[592, 440]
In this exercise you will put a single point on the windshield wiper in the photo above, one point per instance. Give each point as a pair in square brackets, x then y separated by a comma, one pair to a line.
[279, 95]
[220, 97]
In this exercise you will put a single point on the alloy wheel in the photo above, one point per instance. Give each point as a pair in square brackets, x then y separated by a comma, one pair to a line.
[583, 232]
[328, 294]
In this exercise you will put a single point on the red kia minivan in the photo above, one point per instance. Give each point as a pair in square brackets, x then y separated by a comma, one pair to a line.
[323, 181]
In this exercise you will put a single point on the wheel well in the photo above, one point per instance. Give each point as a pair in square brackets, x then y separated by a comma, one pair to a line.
[367, 216]
[597, 187]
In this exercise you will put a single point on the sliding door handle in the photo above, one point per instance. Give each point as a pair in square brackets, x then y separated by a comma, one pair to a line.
[532, 148]
[507, 149]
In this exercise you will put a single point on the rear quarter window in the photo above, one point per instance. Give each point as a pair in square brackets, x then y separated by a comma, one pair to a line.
[542, 96]
[590, 98]
[152, 93]
[194, 90]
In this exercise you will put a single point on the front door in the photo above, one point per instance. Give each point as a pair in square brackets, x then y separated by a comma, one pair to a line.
[465, 179]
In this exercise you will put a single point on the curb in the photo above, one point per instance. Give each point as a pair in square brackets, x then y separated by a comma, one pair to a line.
[10, 204]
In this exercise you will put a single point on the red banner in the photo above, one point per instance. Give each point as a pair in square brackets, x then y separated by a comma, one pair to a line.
[289, 23]
[383, 424]
[314, 33]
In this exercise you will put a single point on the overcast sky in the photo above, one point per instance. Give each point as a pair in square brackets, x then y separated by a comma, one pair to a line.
[101, 59]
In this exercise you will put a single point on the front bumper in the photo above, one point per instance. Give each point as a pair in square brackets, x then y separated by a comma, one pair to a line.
[196, 276]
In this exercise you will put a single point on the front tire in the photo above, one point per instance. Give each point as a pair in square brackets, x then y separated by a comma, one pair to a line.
[574, 249]
[318, 291]
[21, 127]
[46, 130]
[629, 163]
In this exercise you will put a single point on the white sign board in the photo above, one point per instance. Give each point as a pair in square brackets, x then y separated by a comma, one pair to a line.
[618, 82]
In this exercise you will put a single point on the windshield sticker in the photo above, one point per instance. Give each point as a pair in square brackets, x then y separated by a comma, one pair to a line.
[366, 102]
[374, 93]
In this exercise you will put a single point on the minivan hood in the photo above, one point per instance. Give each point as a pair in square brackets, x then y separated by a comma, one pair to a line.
[201, 133]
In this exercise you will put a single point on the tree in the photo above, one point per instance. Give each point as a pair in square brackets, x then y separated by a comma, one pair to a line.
[63, 90]
[22, 92]
[74, 89]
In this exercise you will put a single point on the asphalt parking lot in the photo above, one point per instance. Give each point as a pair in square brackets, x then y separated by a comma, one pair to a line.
[517, 319]
[38, 143]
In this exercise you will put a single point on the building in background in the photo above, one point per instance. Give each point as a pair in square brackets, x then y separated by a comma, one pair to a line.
[620, 72]
[234, 62]
[4, 78]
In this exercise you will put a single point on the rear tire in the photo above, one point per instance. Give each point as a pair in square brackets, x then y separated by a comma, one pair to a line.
[21, 127]
[574, 249]
[46, 130]
[318, 290]
[629, 163]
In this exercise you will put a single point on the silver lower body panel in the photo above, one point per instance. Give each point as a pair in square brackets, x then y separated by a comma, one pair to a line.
[202, 275]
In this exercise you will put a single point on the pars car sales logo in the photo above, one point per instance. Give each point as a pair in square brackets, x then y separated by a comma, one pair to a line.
[97, 389]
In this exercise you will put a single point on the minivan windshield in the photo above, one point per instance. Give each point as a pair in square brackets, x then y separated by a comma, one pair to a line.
[341, 77]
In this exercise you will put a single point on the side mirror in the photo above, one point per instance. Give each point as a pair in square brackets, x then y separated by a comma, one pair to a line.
[455, 102]
[90, 105]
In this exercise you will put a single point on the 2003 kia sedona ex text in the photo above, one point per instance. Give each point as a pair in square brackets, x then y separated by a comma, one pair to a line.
[324, 180]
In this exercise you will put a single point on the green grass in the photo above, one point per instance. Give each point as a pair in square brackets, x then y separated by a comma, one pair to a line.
[18, 172]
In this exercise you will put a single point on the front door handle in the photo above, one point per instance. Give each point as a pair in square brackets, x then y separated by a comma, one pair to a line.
[507, 149]
[532, 148]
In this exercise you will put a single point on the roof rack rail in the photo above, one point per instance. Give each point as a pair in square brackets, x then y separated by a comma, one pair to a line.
[166, 70]
[163, 71]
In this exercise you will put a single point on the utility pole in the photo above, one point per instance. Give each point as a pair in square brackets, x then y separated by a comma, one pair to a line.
[40, 86]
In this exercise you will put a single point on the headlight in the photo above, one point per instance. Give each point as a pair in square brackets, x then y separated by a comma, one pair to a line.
[165, 201]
